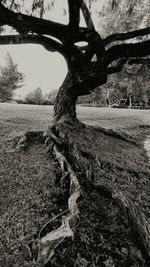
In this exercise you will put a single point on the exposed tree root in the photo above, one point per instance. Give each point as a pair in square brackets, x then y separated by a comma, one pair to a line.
[23, 142]
[131, 214]
[69, 157]
[117, 134]
[50, 242]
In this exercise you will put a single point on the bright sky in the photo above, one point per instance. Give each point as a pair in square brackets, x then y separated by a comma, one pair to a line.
[41, 68]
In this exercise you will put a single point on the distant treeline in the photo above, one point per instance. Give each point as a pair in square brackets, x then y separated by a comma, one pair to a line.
[37, 98]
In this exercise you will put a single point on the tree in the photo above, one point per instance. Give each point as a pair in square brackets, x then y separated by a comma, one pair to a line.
[89, 66]
[51, 97]
[129, 16]
[132, 83]
[35, 97]
[29, 99]
[10, 79]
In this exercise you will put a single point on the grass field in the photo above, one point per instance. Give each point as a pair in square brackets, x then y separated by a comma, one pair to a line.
[27, 199]
[36, 117]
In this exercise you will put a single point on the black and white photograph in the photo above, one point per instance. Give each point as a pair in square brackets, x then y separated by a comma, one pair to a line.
[74, 133]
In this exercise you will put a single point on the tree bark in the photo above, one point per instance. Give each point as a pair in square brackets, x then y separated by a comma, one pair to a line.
[82, 79]
[65, 102]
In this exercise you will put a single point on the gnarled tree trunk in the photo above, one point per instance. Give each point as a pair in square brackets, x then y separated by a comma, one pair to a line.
[65, 102]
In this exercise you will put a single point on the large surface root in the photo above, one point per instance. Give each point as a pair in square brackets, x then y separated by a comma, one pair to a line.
[23, 142]
[52, 240]
[83, 191]
[81, 183]
[132, 216]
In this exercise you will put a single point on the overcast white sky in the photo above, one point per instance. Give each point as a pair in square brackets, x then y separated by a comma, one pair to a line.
[41, 68]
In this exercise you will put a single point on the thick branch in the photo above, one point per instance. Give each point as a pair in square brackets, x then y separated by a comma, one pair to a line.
[114, 69]
[48, 43]
[74, 14]
[136, 50]
[92, 79]
[86, 14]
[27, 24]
[144, 61]
[118, 67]
[126, 36]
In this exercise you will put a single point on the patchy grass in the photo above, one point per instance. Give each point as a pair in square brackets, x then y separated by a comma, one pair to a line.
[28, 193]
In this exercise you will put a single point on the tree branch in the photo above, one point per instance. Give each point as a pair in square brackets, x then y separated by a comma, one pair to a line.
[12, 3]
[74, 14]
[48, 43]
[144, 61]
[25, 24]
[87, 15]
[136, 50]
[126, 36]
[119, 66]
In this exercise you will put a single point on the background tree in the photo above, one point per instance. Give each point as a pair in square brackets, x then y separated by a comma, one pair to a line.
[50, 97]
[35, 97]
[133, 80]
[38, 96]
[10, 79]
[96, 98]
